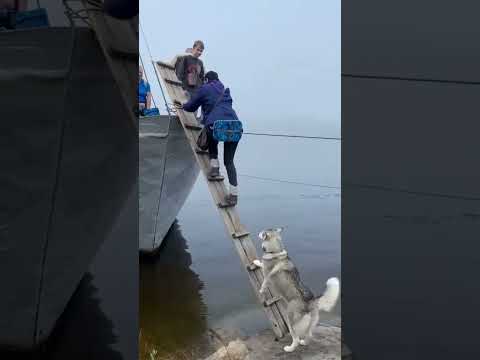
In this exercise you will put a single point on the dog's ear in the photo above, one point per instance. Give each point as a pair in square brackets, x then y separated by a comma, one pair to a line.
[280, 229]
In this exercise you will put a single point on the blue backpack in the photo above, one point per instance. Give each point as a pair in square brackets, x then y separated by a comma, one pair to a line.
[227, 130]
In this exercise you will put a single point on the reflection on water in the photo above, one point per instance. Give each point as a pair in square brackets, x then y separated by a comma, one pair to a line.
[82, 332]
[171, 307]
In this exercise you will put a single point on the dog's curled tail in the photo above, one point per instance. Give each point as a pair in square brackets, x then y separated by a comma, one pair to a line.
[327, 301]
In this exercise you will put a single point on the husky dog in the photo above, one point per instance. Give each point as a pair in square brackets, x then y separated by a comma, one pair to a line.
[281, 274]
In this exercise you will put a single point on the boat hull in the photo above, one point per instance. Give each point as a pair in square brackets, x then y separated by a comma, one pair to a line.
[69, 160]
[167, 173]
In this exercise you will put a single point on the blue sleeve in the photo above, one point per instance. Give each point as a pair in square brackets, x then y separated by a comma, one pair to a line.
[195, 101]
[147, 88]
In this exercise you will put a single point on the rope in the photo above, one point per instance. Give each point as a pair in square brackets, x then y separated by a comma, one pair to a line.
[370, 187]
[97, 3]
[290, 182]
[156, 74]
[381, 77]
[73, 14]
[162, 182]
[294, 136]
[146, 41]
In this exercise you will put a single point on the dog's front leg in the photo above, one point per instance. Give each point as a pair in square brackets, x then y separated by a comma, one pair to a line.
[275, 269]
[258, 263]
[266, 279]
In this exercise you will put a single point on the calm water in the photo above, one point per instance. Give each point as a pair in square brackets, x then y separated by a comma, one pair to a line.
[197, 281]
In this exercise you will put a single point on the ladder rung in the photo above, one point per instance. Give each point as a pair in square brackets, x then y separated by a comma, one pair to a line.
[271, 301]
[173, 82]
[193, 127]
[216, 178]
[224, 205]
[165, 65]
[240, 234]
[200, 151]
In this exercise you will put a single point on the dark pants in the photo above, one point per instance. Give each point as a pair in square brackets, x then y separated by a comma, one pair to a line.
[228, 154]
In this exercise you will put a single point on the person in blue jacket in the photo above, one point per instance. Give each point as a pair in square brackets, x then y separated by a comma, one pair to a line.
[144, 93]
[216, 103]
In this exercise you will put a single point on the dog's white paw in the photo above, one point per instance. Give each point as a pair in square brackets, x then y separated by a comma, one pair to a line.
[289, 348]
[303, 342]
[257, 263]
[262, 289]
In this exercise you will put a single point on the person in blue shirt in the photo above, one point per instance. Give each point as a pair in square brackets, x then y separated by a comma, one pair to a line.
[144, 94]
[216, 103]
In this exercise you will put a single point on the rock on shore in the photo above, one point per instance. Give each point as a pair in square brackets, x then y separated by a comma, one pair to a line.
[263, 346]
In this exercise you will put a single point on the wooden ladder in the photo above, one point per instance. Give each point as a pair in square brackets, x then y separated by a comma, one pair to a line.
[240, 236]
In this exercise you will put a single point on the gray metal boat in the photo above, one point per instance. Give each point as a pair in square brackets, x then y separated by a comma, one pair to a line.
[167, 173]
[69, 154]
[69, 160]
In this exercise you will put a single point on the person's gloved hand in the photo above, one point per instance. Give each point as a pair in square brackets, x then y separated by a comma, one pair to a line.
[177, 104]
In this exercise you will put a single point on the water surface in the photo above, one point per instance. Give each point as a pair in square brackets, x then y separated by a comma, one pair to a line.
[197, 281]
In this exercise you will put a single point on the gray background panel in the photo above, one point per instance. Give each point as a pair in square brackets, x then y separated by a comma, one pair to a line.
[428, 39]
